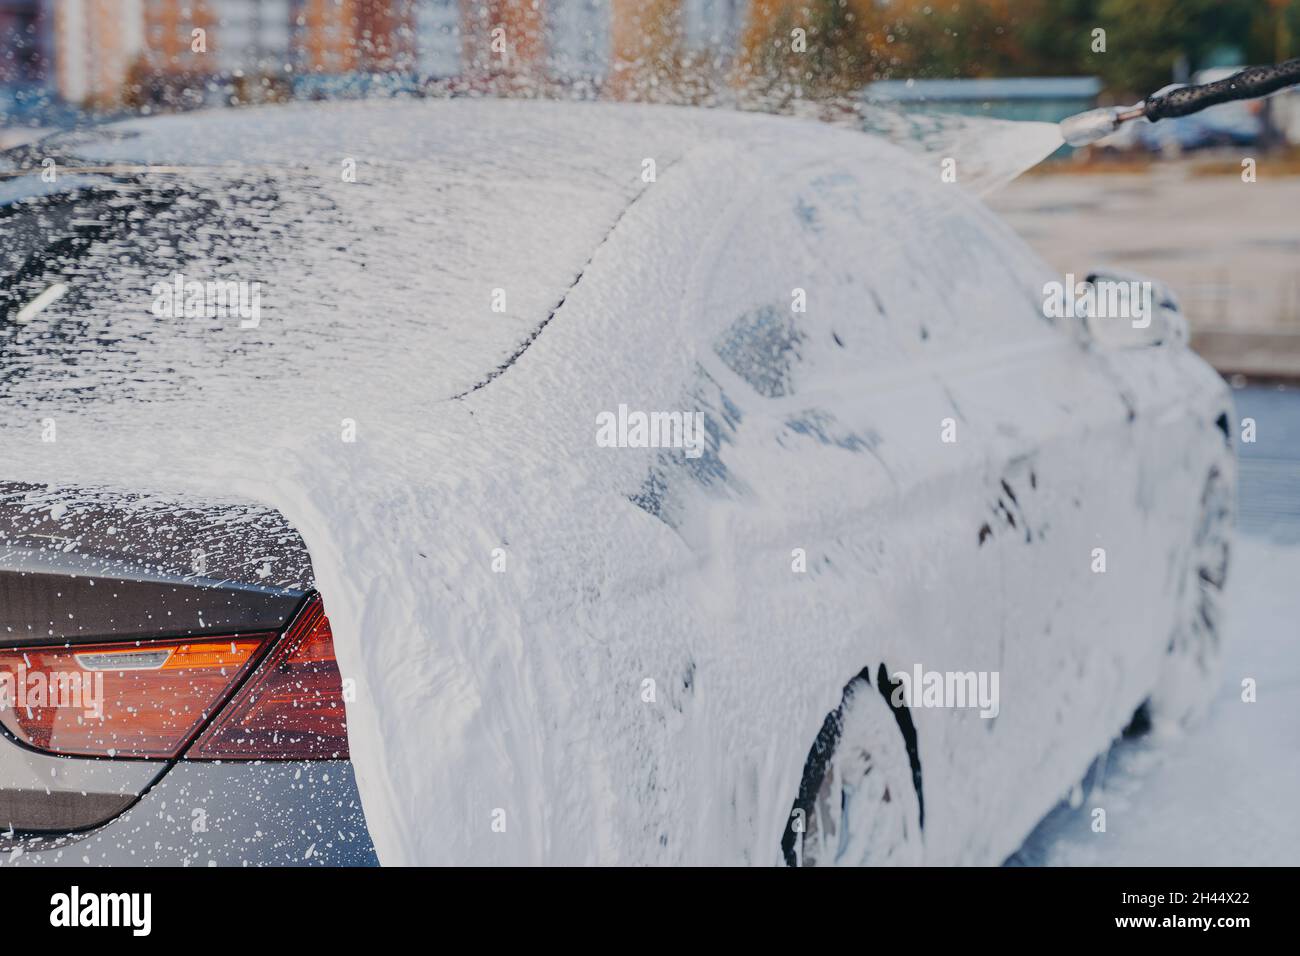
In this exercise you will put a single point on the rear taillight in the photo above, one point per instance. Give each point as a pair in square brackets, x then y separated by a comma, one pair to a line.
[273, 699]
[142, 699]
[292, 706]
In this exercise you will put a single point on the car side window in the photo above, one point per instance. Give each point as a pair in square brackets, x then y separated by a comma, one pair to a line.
[762, 347]
[848, 272]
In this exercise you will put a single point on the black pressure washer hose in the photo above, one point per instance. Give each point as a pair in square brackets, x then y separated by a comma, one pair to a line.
[1249, 84]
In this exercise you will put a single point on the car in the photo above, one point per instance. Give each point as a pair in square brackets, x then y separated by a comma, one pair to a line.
[683, 486]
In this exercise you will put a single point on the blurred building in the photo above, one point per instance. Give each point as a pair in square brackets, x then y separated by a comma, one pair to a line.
[626, 42]
[110, 53]
[25, 55]
[202, 50]
[503, 37]
[578, 38]
[94, 45]
[346, 36]
[713, 26]
[437, 38]
[24, 40]
[25, 60]
[180, 36]
[251, 37]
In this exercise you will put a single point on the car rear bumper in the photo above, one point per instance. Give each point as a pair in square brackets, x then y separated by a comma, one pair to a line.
[303, 813]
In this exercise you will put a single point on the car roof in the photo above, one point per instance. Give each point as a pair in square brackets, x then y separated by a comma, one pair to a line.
[522, 134]
[463, 221]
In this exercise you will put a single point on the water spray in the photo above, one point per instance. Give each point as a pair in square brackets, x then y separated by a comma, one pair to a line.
[1249, 84]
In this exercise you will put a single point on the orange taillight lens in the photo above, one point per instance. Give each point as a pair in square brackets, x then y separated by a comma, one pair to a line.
[246, 697]
[136, 699]
[292, 706]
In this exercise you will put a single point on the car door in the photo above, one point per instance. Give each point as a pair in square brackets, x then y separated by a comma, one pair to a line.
[948, 459]
[858, 463]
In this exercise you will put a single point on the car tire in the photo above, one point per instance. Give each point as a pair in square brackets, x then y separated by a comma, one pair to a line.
[858, 802]
[1194, 654]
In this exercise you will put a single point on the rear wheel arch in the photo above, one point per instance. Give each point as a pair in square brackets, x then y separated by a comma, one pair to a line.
[1194, 653]
[843, 814]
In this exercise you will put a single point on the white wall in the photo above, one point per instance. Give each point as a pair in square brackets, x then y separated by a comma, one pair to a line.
[251, 35]
[578, 37]
[437, 37]
[713, 24]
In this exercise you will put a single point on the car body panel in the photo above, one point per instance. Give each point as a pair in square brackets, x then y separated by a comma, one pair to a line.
[80, 565]
[521, 694]
[300, 813]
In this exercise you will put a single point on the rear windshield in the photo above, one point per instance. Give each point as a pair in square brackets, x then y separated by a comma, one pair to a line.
[149, 281]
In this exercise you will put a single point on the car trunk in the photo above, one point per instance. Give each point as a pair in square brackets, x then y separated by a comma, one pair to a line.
[81, 568]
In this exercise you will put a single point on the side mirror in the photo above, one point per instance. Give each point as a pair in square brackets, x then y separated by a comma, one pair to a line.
[1119, 310]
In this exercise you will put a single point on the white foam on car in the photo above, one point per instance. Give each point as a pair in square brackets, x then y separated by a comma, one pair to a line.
[488, 700]
[985, 153]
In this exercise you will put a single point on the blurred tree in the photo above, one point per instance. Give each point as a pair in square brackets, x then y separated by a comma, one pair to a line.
[789, 45]
[951, 39]
[1059, 40]
[1146, 38]
[850, 42]
[1284, 27]
[646, 42]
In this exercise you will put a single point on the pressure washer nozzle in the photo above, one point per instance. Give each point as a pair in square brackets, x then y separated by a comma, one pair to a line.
[1247, 84]
[1091, 126]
